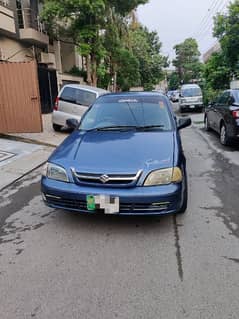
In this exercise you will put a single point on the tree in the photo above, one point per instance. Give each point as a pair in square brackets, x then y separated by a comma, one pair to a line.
[226, 29]
[217, 72]
[146, 48]
[173, 81]
[85, 23]
[187, 61]
[216, 76]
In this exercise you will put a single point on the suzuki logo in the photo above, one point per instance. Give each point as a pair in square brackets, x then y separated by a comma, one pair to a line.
[104, 178]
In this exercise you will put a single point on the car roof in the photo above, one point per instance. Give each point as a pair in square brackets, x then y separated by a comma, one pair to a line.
[190, 85]
[135, 94]
[86, 87]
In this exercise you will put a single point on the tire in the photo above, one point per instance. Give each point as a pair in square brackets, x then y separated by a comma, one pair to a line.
[185, 197]
[223, 135]
[206, 124]
[56, 127]
[181, 110]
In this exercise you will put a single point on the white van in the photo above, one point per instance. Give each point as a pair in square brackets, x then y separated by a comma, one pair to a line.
[190, 97]
[72, 102]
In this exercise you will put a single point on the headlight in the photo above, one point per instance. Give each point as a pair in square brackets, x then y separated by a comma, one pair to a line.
[55, 172]
[164, 177]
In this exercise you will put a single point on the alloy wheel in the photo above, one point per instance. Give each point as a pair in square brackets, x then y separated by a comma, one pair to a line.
[223, 135]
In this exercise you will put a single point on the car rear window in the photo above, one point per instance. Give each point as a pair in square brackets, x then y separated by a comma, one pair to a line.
[78, 96]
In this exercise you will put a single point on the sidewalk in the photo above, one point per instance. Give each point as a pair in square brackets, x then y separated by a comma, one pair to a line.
[22, 153]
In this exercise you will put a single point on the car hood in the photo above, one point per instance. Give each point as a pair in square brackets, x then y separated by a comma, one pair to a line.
[116, 152]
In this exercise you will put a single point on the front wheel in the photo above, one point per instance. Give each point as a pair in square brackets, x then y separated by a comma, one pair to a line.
[206, 124]
[181, 110]
[185, 198]
[223, 135]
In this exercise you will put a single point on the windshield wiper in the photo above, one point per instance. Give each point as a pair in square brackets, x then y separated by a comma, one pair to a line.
[125, 128]
[149, 127]
[112, 128]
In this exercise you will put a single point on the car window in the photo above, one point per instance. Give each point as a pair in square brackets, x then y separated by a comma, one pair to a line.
[78, 96]
[236, 96]
[123, 111]
[68, 94]
[85, 97]
[223, 99]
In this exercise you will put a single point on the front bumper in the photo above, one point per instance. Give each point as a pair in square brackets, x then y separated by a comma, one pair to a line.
[157, 200]
[191, 106]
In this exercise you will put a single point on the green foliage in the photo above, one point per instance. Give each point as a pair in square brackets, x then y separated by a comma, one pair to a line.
[102, 32]
[216, 72]
[78, 72]
[128, 70]
[222, 66]
[126, 6]
[173, 81]
[187, 61]
[226, 29]
[146, 48]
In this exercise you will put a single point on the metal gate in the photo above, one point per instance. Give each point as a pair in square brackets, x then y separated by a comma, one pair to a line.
[48, 88]
[20, 110]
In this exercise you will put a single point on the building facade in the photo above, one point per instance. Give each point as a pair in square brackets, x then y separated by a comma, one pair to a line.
[23, 37]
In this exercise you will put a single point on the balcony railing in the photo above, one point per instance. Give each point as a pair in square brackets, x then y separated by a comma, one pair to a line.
[28, 18]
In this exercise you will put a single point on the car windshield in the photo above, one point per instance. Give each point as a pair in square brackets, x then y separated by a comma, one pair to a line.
[188, 92]
[123, 112]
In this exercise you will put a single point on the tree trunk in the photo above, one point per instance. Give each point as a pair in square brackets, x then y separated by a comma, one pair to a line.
[94, 77]
[88, 69]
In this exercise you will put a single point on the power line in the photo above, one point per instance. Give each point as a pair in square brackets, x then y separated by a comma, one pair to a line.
[207, 27]
[207, 14]
[218, 7]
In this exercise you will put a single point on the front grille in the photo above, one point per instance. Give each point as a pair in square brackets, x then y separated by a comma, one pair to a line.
[106, 179]
[80, 205]
[67, 203]
[144, 207]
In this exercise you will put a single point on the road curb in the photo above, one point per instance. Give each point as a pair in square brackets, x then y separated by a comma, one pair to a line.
[22, 176]
[26, 140]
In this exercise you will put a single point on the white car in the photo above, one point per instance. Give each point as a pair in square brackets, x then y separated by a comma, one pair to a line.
[72, 102]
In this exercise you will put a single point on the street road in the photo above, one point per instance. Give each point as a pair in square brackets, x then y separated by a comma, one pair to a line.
[60, 265]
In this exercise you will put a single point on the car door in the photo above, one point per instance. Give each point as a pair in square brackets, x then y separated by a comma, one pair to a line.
[211, 112]
[221, 109]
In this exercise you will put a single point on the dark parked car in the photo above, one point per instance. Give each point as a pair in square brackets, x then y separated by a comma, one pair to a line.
[223, 116]
[124, 157]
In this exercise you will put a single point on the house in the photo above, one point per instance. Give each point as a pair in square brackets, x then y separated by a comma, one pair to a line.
[23, 37]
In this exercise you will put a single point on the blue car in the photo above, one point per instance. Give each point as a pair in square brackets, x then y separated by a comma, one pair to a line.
[125, 157]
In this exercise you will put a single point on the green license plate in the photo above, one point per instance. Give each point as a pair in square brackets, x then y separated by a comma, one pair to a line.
[90, 201]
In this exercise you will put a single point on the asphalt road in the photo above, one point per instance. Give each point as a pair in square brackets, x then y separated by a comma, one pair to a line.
[60, 265]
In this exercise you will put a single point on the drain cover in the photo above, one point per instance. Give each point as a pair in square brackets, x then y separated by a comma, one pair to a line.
[5, 155]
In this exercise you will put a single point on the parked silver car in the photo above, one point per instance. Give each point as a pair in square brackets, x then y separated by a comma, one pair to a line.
[72, 102]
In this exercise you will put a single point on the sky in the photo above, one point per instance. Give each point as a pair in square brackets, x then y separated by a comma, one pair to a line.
[176, 20]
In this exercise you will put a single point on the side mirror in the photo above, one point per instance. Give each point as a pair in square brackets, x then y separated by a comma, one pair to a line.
[184, 122]
[211, 104]
[72, 123]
